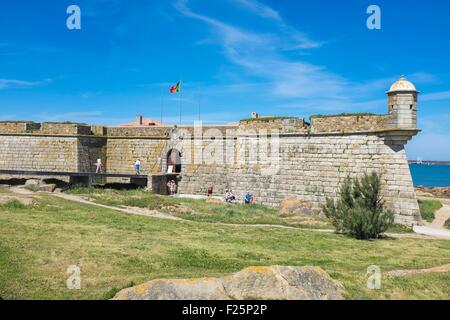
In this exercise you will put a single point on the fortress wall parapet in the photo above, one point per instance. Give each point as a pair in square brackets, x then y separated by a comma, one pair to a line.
[282, 124]
[348, 123]
[54, 128]
[138, 131]
[18, 126]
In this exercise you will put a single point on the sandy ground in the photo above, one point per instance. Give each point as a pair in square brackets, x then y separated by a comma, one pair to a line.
[442, 215]
[444, 268]
[436, 228]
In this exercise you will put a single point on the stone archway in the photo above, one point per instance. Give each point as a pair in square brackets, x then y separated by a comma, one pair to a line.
[174, 161]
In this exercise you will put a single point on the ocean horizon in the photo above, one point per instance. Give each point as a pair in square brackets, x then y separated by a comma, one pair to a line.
[430, 175]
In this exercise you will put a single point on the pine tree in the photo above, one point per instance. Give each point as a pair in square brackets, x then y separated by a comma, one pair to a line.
[359, 211]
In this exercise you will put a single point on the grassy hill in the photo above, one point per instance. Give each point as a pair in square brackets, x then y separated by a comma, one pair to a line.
[115, 250]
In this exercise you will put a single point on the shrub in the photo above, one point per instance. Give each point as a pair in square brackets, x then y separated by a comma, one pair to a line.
[359, 211]
[447, 224]
[428, 208]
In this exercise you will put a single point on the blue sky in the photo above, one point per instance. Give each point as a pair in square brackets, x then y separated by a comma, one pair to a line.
[294, 58]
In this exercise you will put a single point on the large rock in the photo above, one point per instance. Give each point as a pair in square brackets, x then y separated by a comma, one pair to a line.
[269, 283]
[32, 185]
[37, 185]
[50, 187]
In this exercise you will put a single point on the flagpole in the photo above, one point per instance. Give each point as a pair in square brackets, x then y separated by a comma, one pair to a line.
[162, 103]
[181, 98]
[199, 106]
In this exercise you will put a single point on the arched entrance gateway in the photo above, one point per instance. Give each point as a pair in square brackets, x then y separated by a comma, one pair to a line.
[174, 161]
[161, 182]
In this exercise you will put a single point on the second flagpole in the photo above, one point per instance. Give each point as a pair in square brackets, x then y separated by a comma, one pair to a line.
[181, 98]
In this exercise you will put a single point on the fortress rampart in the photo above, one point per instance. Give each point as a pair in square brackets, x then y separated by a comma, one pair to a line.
[273, 157]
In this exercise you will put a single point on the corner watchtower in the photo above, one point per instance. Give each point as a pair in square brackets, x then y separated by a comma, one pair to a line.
[402, 101]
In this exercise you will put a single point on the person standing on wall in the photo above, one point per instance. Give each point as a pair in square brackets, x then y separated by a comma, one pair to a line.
[98, 166]
[137, 167]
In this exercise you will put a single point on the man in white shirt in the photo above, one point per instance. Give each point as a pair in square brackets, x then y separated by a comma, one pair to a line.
[137, 166]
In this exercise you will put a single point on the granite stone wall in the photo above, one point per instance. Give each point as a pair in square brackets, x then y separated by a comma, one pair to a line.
[350, 123]
[18, 126]
[89, 149]
[310, 168]
[121, 154]
[282, 124]
[29, 152]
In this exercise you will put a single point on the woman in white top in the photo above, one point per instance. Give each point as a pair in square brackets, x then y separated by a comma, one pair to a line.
[98, 166]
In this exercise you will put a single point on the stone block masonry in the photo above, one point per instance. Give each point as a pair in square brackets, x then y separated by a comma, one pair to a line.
[311, 162]
[312, 168]
[28, 152]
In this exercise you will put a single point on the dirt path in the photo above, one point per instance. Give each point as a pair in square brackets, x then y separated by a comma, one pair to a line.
[156, 214]
[436, 228]
[442, 215]
[129, 210]
[444, 268]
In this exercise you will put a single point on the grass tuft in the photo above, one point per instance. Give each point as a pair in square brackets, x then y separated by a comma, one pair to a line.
[428, 208]
[13, 204]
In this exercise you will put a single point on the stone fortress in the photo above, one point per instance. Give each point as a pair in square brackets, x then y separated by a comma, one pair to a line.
[308, 160]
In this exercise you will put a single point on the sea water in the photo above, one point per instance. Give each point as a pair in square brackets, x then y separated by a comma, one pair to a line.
[430, 175]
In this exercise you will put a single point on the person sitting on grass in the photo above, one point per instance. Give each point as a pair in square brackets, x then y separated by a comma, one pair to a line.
[248, 198]
[229, 196]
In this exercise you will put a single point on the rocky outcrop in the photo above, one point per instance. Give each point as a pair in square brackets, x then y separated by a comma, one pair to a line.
[268, 283]
[440, 192]
[37, 185]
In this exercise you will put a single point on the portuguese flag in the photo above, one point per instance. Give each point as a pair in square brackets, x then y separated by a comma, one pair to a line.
[175, 88]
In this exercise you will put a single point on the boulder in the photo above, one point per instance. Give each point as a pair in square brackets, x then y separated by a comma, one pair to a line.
[292, 206]
[269, 283]
[32, 185]
[214, 200]
[47, 187]
[37, 185]
[30, 182]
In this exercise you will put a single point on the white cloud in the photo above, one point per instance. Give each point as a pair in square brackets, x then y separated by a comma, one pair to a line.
[259, 9]
[261, 55]
[436, 96]
[295, 84]
[14, 83]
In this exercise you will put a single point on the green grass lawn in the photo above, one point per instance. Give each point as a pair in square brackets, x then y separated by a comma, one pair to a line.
[428, 208]
[199, 209]
[115, 250]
